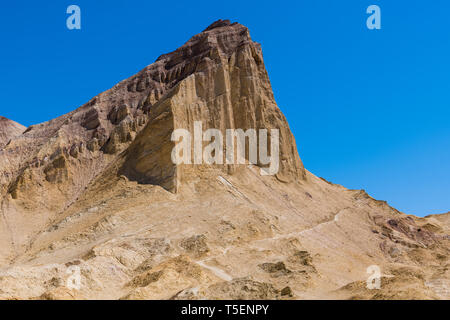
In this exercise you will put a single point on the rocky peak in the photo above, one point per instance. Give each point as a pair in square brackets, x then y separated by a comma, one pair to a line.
[222, 35]
[218, 24]
[218, 77]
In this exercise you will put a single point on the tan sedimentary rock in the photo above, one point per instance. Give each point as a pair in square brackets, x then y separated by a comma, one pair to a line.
[9, 129]
[96, 189]
[222, 83]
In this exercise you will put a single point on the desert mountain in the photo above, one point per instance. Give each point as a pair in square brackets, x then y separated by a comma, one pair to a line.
[8, 130]
[96, 190]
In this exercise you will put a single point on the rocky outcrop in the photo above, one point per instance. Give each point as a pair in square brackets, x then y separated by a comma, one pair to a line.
[8, 130]
[218, 78]
[97, 190]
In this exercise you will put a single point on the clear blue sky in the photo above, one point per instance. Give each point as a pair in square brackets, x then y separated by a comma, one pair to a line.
[369, 109]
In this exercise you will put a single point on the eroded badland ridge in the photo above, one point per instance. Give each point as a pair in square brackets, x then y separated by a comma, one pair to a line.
[96, 189]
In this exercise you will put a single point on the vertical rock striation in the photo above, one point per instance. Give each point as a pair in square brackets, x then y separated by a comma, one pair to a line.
[221, 81]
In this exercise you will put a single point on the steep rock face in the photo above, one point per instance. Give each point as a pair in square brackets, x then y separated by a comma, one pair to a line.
[227, 88]
[90, 190]
[8, 130]
[218, 77]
